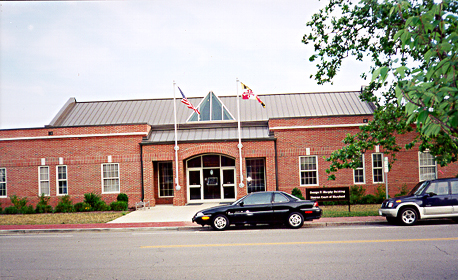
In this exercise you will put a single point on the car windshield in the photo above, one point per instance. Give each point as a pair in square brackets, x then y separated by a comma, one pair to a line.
[419, 188]
[292, 197]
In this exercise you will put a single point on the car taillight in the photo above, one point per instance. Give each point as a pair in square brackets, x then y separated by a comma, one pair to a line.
[315, 204]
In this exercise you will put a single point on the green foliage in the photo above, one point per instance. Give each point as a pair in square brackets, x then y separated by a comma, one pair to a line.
[19, 203]
[403, 191]
[412, 46]
[11, 210]
[368, 199]
[356, 194]
[123, 197]
[119, 206]
[82, 207]
[380, 194]
[42, 206]
[65, 205]
[27, 210]
[101, 206]
[92, 199]
[297, 193]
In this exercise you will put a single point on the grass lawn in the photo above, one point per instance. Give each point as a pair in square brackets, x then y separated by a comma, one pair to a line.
[355, 210]
[104, 217]
[60, 218]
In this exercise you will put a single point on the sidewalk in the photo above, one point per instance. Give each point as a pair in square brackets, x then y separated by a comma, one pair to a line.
[167, 217]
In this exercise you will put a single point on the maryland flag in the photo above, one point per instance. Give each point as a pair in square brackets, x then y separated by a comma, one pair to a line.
[248, 94]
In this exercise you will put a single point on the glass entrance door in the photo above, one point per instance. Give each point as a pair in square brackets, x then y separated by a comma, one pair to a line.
[212, 183]
[195, 185]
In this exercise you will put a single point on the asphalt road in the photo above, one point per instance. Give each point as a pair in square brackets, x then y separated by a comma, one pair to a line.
[426, 251]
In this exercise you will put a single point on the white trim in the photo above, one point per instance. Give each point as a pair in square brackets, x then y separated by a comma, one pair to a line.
[74, 136]
[6, 184]
[40, 181]
[102, 178]
[381, 168]
[364, 172]
[318, 126]
[316, 170]
[57, 179]
[420, 166]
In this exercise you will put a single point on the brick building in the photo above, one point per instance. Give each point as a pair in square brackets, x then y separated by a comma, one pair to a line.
[128, 146]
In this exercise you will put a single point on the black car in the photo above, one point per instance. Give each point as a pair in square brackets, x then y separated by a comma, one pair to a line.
[260, 208]
[428, 199]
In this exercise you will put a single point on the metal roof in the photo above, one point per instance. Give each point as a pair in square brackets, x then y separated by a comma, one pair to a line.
[157, 112]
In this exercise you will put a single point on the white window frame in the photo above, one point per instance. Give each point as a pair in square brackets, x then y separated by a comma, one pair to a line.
[110, 178]
[364, 172]
[159, 180]
[420, 166]
[41, 181]
[381, 168]
[5, 184]
[61, 180]
[316, 170]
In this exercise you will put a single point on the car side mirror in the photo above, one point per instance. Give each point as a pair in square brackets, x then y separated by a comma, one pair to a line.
[432, 194]
[241, 203]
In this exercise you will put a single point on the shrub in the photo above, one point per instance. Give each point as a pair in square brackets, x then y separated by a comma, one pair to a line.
[91, 199]
[101, 206]
[27, 210]
[42, 206]
[123, 197]
[356, 194]
[368, 199]
[82, 207]
[11, 210]
[65, 205]
[403, 191]
[297, 193]
[18, 203]
[380, 194]
[119, 206]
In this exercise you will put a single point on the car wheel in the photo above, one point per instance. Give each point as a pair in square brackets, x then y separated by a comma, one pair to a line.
[220, 222]
[295, 220]
[408, 216]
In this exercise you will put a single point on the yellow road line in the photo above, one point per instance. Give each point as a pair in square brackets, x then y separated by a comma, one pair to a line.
[299, 243]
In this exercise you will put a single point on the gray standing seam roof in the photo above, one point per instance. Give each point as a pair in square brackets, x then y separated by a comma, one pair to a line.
[158, 112]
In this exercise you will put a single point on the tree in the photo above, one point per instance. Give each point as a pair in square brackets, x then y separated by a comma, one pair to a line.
[412, 46]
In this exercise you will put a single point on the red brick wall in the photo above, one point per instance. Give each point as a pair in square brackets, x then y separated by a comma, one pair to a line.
[83, 157]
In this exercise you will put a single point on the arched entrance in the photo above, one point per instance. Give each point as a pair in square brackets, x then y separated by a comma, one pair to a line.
[211, 178]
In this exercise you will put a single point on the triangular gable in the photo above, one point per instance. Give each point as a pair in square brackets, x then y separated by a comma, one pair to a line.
[211, 109]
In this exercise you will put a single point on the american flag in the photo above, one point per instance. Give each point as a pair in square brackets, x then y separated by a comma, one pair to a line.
[185, 101]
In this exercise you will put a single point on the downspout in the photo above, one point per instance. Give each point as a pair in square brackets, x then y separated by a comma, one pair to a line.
[276, 164]
[141, 172]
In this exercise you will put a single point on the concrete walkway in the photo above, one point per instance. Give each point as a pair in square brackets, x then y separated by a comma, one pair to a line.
[168, 217]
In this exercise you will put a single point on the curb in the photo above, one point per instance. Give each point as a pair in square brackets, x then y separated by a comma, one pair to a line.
[173, 226]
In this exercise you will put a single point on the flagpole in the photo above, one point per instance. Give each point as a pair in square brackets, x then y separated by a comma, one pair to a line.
[176, 138]
[240, 146]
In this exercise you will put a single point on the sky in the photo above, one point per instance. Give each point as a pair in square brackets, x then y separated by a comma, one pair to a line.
[122, 50]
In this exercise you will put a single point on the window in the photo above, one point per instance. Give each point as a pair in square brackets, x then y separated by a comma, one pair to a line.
[454, 185]
[427, 165]
[309, 171]
[2, 182]
[439, 188]
[258, 198]
[377, 168]
[110, 178]
[211, 109]
[279, 198]
[62, 180]
[256, 173]
[358, 173]
[165, 179]
[43, 180]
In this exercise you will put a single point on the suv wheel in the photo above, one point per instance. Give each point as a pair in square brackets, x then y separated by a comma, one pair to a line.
[408, 216]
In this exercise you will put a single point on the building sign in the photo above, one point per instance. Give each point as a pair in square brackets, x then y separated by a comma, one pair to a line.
[328, 194]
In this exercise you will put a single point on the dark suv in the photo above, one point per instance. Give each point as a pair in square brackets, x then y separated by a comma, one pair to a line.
[427, 200]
